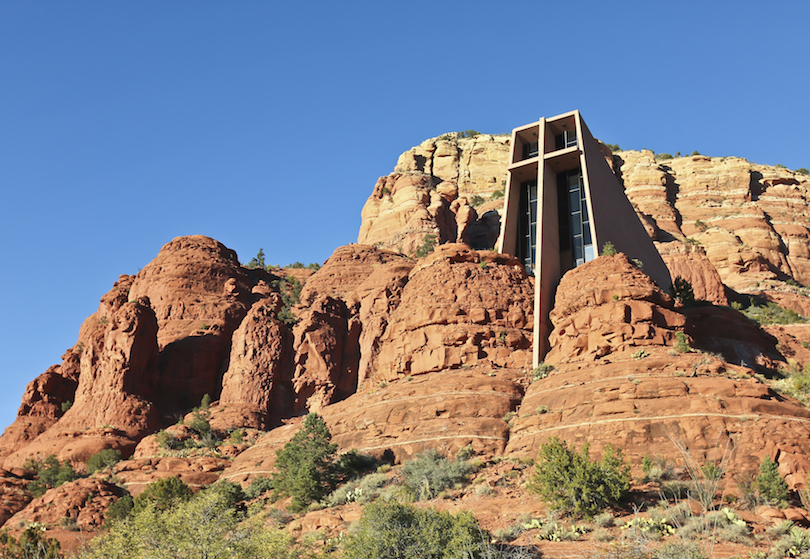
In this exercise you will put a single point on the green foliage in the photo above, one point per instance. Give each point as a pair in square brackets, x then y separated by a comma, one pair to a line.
[682, 343]
[542, 371]
[32, 544]
[700, 226]
[258, 486]
[696, 152]
[476, 200]
[121, 508]
[802, 171]
[770, 484]
[306, 468]
[613, 147]
[257, 261]
[206, 526]
[662, 156]
[427, 246]
[430, 473]
[771, 313]
[640, 354]
[468, 134]
[571, 481]
[103, 459]
[497, 195]
[290, 290]
[66, 405]
[230, 492]
[681, 290]
[50, 473]
[389, 529]
[167, 440]
[608, 249]
[162, 494]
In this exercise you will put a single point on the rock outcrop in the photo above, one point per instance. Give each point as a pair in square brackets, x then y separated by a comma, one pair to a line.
[459, 307]
[617, 378]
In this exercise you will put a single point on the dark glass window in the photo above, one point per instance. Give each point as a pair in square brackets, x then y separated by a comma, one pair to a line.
[527, 233]
[530, 150]
[572, 210]
[565, 140]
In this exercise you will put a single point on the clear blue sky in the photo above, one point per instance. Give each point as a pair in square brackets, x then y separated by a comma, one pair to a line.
[266, 124]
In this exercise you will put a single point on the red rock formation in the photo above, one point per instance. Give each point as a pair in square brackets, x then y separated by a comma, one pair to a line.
[690, 263]
[345, 270]
[327, 354]
[459, 307]
[617, 381]
[113, 405]
[199, 294]
[608, 305]
[256, 387]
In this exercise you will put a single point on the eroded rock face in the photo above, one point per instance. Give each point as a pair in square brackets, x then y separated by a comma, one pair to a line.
[83, 502]
[327, 354]
[691, 263]
[459, 307]
[752, 219]
[617, 379]
[113, 401]
[256, 385]
[200, 295]
[606, 305]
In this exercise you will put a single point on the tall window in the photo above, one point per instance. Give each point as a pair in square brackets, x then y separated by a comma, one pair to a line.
[527, 234]
[575, 226]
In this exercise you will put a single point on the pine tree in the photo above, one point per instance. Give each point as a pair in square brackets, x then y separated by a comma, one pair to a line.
[306, 468]
[771, 486]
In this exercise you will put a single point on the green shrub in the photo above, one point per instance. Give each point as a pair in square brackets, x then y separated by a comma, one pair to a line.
[613, 147]
[50, 472]
[258, 486]
[771, 313]
[430, 473]
[103, 459]
[66, 405]
[162, 494]
[121, 508]
[427, 246]
[476, 200]
[681, 290]
[290, 290]
[682, 343]
[770, 484]
[802, 171]
[306, 468]
[389, 529]
[257, 261]
[608, 249]
[571, 481]
[468, 134]
[497, 195]
[167, 440]
[231, 492]
[32, 544]
[205, 526]
[542, 371]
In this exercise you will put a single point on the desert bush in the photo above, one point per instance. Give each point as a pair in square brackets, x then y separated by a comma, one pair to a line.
[231, 492]
[389, 529]
[121, 508]
[680, 549]
[103, 459]
[306, 468]
[771, 313]
[571, 481]
[205, 526]
[542, 371]
[167, 440]
[258, 486]
[772, 488]
[50, 473]
[608, 249]
[430, 473]
[427, 246]
[681, 290]
[32, 544]
[162, 494]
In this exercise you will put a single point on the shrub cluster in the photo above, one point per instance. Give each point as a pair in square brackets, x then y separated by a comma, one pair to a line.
[391, 529]
[50, 473]
[430, 473]
[571, 481]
